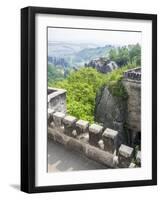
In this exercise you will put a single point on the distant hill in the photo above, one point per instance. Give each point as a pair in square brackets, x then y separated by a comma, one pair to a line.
[92, 53]
[65, 54]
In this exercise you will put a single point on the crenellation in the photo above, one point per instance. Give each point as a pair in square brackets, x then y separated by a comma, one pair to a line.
[125, 156]
[58, 118]
[133, 74]
[95, 132]
[110, 140]
[69, 123]
[81, 126]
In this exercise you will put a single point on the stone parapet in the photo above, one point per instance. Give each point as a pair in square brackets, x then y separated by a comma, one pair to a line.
[80, 136]
[133, 74]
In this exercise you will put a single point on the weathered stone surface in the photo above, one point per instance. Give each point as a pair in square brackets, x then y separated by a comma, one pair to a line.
[95, 128]
[81, 126]
[69, 120]
[100, 156]
[95, 132]
[103, 65]
[50, 113]
[69, 124]
[76, 145]
[133, 74]
[125, 151]
[111, 112]
[114, 112]
[125, 156]
[91, 152]
[57, 99]
[138, 158]
[57, 135]
[110, 140]
[58, 118]
[132, 165]
[133, 104]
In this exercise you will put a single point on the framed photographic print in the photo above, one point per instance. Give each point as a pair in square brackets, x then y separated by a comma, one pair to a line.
[88, 99]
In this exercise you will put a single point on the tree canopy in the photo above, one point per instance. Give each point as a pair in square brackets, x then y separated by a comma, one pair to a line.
[126, 54]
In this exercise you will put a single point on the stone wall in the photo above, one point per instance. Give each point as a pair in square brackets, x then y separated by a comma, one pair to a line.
[92, 140]
[132, 84]
[56, 100]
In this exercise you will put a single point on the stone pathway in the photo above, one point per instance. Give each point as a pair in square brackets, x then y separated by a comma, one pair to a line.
[62, 159]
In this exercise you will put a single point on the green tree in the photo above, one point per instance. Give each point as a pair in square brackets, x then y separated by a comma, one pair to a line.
[54, 74]
[135, 54]
[83, 85]
[126, 54]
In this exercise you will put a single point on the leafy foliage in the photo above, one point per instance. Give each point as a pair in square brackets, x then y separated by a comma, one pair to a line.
[126, 54]
[83, 85]
[114, 83]
[54, 74]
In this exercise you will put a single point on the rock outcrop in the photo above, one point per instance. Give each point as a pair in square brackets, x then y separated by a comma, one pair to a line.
[102, 65]
[111, 111]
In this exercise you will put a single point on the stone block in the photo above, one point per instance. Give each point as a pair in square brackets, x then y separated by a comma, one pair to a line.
[58, 118]
[110, 140]
[69, 124]
[76, 145]
[81, 126]
[95, 133]
[132, 165]
[50, 113]
[125, 156]
[138, 158]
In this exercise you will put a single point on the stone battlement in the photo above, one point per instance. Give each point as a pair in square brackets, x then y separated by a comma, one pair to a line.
[133, 74]
[92, 140]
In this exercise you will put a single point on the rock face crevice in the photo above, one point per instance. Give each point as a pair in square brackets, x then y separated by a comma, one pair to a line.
[111, 111]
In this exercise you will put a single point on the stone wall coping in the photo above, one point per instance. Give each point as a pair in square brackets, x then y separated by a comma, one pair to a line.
[82, 123]
[95, 128]
[50, 111]
[59, 115]
[125, 151]
[110, 133]
[133, 69]
[69, 119]
[56, 92]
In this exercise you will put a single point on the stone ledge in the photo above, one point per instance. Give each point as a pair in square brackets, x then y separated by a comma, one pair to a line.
[82, 124]
[96, 129]
[125, 151]
[56, 92]
[69, 120]
[110, 133]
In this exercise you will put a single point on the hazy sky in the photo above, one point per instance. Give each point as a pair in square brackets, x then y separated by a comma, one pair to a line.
[94, 36]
